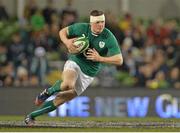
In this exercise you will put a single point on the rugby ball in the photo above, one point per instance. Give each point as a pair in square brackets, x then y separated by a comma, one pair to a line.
[82, 44]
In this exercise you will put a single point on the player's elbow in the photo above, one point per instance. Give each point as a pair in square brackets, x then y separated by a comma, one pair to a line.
[120, 60]
[60, 33]
[63, 32]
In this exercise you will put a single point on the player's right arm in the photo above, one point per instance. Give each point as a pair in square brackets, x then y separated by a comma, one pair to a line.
[63, 34]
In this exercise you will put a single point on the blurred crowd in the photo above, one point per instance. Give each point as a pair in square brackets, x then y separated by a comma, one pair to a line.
[149, 47]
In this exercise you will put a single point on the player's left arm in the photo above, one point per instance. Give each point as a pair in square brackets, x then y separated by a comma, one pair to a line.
[93, 55]
[114, 53]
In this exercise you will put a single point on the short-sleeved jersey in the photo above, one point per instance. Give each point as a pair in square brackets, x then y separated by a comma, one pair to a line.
[104, 43]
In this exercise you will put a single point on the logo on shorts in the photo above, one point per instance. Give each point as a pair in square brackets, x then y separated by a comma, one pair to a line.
[101, 44]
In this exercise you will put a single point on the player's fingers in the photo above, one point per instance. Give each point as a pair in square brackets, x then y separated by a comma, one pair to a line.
[90, 57]
[89, 53]
[74, 39]
[94, 51]
[90, 50]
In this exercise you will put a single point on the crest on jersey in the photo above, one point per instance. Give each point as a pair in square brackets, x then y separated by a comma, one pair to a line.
[101, 44]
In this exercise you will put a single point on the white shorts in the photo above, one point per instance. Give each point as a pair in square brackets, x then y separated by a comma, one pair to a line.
[83, 80]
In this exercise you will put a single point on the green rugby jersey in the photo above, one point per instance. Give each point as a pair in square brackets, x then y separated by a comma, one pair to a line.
[105, 44]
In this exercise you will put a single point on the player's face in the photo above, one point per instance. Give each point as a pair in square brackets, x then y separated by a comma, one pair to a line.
[97, 27]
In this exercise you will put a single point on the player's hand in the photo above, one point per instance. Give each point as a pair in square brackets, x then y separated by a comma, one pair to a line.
[93, 55]
[71, 48]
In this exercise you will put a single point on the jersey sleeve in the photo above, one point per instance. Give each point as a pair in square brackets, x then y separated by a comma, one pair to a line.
[113, 46]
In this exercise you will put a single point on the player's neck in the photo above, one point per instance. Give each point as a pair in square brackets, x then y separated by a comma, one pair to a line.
[94, 34]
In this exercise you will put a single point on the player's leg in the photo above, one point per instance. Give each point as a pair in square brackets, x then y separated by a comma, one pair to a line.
[69, 65]
[68, 93]
[49, 106]
[68, 87]
[46, 93]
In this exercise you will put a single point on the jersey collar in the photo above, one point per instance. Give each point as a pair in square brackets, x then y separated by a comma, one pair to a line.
[94, 34]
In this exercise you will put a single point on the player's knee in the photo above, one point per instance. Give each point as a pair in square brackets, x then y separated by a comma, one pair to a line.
[67, 86]
[59, 99]
[66, 94]
[59, 96]
[63, 97]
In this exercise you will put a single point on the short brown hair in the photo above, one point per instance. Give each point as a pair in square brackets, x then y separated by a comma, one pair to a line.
[96, 13]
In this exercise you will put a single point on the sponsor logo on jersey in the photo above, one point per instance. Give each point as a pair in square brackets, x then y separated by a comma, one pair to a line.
[101, 44]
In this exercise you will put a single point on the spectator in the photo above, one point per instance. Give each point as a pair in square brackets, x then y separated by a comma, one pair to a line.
[144, 74]
[53, 39]
[48, 11]
[39, 64]
[148, 50]
[68, 14]
[159, 61]
[126, 23]
[174, 78]
[22, 76]
[157, 31]
[112, 25]
[3, 13]
[30, 9]
[16, 51]
[3, 53]
[37, 21]
[106, 76]
[137, 37]
[55, 19]
[159, 82]
[6, 74]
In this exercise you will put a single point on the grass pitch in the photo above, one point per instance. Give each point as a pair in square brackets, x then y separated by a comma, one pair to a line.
[92, 124]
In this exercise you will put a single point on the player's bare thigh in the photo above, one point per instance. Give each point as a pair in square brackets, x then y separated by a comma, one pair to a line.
[68, 92]
[69, 78]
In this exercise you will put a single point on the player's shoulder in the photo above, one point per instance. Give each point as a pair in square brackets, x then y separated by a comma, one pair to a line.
[78, 28]
[83, 25]
[107, 33]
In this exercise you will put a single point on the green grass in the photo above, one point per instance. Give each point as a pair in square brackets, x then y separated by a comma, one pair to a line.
[100, 119]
